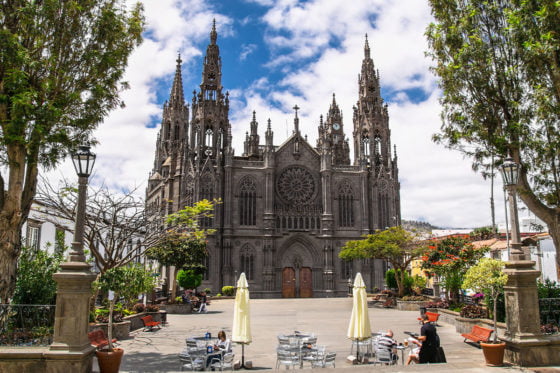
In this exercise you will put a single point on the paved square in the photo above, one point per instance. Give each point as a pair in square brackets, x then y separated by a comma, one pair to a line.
[326, 317]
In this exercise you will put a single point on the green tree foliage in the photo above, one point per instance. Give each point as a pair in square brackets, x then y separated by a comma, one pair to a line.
[548, 289]
[500, 74]
[128, 282]
[61, 65]
[183, 244]
[487, 277]
[35, 284]
[189, 279]
[396, 245]
[449, 259]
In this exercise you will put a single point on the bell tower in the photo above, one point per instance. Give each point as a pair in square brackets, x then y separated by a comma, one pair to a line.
[331, 136]
[372, 144]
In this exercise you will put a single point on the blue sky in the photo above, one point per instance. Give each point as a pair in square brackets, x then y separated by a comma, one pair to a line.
[278, 53]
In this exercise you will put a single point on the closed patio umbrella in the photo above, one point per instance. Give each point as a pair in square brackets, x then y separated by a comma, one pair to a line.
[359, 327]
[241, 331]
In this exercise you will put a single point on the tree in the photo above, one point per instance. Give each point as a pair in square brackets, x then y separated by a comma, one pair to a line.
[396, 245]
[35, 284]
[450, 258]
[128, 281]
[189, 279]
[500, 73]
[113, 224]
[183, 244]
[61, 65]
[487, 277]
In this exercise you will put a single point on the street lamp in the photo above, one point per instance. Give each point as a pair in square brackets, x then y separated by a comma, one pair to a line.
[510, 175]
[83, 160]
[71, 349]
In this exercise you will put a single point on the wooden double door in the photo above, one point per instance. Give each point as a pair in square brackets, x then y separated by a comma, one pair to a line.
[297, 284]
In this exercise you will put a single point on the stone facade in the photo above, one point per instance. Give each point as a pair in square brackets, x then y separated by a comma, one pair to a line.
[286, 209]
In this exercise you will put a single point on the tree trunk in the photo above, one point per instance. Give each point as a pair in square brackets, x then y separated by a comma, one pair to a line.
[10, 247]
[13, 212]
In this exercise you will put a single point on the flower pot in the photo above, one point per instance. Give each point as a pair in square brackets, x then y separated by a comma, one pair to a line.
[109, 362]
[493, 353]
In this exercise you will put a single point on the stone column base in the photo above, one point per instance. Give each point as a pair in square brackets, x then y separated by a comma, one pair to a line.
[65, 361]
[540, 350]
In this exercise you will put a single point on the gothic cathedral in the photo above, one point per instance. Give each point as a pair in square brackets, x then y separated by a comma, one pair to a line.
[286, 209]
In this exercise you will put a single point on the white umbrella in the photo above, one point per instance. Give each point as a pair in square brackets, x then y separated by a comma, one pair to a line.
[359, 327]
[241, 331]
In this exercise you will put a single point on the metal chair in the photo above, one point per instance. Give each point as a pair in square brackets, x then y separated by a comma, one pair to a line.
[191, 363]
[383, 356]
[286, 358]
[315, 357]
[329, 359]
[226, 362]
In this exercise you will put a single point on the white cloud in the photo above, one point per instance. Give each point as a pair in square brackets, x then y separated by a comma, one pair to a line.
[318, 46]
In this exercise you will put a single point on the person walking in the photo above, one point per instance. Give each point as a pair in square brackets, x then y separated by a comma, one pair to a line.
[202, 299]
[430, 342]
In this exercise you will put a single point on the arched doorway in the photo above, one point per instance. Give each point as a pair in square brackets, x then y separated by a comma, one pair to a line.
[297, 282]
[296, 270]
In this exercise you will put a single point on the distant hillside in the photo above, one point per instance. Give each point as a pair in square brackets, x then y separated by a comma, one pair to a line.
[421, 226]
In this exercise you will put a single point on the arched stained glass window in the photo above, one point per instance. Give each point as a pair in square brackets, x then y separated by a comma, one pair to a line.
[248, 201]
[345, 204]
[247, 259]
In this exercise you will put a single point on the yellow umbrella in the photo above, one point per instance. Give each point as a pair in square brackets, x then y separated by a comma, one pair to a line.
[359, 327]
[241, 331]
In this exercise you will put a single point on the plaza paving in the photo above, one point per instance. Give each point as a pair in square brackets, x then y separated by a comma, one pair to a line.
[326, 317]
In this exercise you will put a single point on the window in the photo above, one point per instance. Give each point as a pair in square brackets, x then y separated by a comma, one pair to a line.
[345, 205]
[206, 263]
[365, 143]
[346, 270]
[208, 139]
[248, 202]
[33, 235]
[206, 192]
[247, 262]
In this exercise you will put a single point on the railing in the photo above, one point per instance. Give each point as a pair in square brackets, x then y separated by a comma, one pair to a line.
[549, 309]
[23, 325]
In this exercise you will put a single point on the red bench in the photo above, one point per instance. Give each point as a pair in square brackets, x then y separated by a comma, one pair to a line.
[478, 334]
[432, 317]
[149, 323]
[98, 339]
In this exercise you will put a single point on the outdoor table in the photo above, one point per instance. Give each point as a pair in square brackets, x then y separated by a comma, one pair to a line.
[402, 348]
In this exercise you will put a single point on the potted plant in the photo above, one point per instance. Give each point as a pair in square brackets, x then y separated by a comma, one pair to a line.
[126, 281]
[487, 277]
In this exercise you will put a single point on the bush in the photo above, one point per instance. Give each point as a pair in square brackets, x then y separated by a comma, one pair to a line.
[228, 290]
[548, 289]
[218, 295]
[471, 311]
[189, 279]
[208, 291]
[139, 307]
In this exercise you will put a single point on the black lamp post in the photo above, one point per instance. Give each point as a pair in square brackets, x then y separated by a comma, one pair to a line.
[510, 176]
[83, 160]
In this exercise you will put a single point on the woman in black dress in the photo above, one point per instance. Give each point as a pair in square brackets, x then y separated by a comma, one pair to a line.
[430, 342]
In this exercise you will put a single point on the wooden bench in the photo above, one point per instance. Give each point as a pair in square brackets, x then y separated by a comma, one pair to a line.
[478, 334]
[98, 339]
[149, 323]
[432, 317]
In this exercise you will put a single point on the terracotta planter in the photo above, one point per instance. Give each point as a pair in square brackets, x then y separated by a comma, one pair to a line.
[493, 353]
[109, 362]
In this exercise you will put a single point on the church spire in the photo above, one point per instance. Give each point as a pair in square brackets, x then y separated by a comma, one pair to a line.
[213, 33]
[176, 97]
[366, 49]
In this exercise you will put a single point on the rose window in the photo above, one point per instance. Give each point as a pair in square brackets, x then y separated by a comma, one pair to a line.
[296, 185]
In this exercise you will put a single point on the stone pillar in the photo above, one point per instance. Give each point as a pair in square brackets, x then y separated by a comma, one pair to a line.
[71, 350]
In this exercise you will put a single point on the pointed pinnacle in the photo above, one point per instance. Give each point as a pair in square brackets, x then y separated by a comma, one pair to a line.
[213, 33]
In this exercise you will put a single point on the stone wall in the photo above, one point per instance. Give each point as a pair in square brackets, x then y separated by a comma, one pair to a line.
[410, 305]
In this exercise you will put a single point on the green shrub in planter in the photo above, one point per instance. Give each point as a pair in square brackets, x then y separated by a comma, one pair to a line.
[228, 290]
